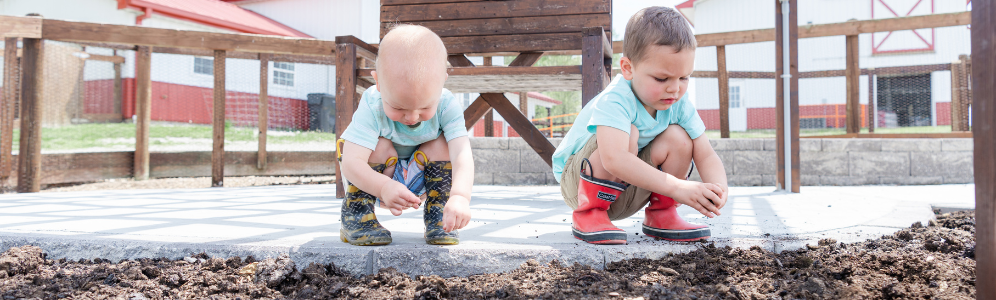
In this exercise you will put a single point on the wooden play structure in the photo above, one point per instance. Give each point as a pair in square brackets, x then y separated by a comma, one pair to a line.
[525, 28]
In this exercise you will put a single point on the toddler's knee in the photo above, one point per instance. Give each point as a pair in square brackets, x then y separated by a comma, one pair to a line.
[383, 151]
[677, 138]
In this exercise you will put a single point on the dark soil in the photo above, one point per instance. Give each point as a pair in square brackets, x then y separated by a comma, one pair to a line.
[920, 262]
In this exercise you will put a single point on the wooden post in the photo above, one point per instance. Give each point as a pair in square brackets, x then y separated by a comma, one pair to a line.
[956, 96]
[264, 100]
[218, 122]
[345, 96]
[10, 74]
[871, 101]
[29, 155]
[593, 78]
[984, 133]
[791, 129]
[966, 95]
[143, 110]
[118, 87]
[489, 123]
[852, 73]
[524, 103]
[724, 92]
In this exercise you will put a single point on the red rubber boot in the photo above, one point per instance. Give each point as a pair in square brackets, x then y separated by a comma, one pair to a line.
[591, 218]
[662, 221]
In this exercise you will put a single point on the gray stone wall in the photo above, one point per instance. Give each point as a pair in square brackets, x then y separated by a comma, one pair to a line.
[751, 162]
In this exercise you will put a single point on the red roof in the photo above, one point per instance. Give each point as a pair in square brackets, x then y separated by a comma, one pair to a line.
[213, 13]
[542, 97]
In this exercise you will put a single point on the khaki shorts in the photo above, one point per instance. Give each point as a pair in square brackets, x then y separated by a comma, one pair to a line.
[630, 202]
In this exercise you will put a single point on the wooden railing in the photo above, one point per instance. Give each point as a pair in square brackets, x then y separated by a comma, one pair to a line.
[145, 41]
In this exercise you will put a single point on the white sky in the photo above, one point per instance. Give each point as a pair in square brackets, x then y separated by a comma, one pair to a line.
[623, 9]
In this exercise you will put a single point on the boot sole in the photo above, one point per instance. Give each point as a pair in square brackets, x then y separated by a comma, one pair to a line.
[443, 241]
[686, 235]
[374, 241]
[601, 237]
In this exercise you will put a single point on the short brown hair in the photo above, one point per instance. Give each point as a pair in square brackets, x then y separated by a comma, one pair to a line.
[656, 25]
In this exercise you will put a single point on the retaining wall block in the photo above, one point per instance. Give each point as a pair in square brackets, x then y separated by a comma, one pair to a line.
[489, 143]
[959, 180]
[823, 163]
[848, 180]
[531, 162]
[755, 162]
[850, 145]
[550, 179]
[810, 179]
[946, 164]
[911, 180]
[879, 163]
[737, 144]
[484, 178]
[962, 144]
[520, 143]
[520, 178]
[911, 145]
[496, 161]
[745, 180]
[728, 158]
[808, 145]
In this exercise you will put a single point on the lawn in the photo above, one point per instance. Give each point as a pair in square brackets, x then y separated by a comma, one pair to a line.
[117, 135]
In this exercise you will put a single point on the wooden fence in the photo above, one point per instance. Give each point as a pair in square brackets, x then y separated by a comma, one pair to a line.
[141, 164]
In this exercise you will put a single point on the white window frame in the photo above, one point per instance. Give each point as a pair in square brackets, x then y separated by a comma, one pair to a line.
[209, 59]
[282, 82]
[736, 98]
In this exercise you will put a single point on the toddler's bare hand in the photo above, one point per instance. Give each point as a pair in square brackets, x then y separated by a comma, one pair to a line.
[703, 197]
[396, 198]
[456, 213]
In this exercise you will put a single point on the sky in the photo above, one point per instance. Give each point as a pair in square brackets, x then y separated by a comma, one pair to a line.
[623, 9]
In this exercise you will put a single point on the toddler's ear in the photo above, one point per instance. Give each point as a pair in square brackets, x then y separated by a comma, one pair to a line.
[626, 67]
[374, 74]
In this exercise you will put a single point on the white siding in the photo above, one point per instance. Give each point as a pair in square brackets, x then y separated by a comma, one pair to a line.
[816, 54]
[325, 19]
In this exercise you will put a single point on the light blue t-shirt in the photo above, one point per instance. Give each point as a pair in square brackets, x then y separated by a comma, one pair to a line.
[618, 107]
[370, 123]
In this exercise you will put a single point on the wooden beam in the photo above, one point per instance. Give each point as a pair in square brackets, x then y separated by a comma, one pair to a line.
[32, 95]
[108, 58]
[134, 35]
[852, 77]
[507, 26]
[457, 61]
[363, 49]
[23, 27]
[475, 111]
[835, 29]
[592, 63]
[526, 59]
[724, 93]
[410, 2]
[984, 129]
[522, 126]
[218, 122]
[346, 98]
[497, 71]
[518, 43]
[7, 107]
[264, 116]
[956, 96]
[491, 9]
[143, 110]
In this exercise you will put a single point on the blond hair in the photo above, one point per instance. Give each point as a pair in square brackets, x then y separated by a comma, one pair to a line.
[421, 50]
[656, 25]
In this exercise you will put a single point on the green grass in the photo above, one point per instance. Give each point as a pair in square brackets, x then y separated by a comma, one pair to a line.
[770, 133]
[123, 135]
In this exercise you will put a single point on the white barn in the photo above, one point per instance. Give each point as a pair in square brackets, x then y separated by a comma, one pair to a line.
[925, 97]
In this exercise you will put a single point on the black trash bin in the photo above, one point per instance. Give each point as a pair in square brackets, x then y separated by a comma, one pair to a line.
[321, 112]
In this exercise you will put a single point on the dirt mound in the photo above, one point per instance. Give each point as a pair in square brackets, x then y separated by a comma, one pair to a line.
[933, 261]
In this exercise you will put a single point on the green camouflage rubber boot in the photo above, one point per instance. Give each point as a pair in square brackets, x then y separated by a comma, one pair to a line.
[438, 181]
[359, 224]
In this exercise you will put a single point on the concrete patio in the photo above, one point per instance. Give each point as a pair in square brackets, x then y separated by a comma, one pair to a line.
[511, 224]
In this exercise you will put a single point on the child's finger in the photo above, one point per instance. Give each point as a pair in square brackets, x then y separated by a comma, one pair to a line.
[395, 212]
[448, 222]
[701, 209]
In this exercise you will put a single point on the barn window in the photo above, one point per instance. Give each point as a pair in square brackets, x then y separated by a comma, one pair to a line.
[204, 65]
[283, 73]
